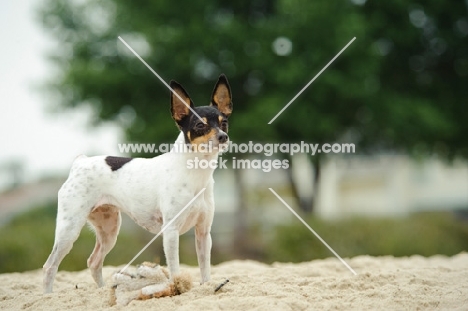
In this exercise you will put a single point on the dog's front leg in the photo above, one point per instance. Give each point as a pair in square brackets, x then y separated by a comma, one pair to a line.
[203, 247]
[171, 250]
[203, 235]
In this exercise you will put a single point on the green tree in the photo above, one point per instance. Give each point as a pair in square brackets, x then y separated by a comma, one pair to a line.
[400, 86]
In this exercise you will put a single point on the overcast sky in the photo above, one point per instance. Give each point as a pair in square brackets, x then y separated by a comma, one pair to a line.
[30, 132]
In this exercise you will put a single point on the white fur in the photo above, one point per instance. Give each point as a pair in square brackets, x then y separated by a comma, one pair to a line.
[151, 191]
[151, 289]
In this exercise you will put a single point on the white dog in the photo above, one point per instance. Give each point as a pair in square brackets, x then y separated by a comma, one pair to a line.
[151, 191]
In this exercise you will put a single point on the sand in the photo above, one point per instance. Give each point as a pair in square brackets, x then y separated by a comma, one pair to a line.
[385, 283]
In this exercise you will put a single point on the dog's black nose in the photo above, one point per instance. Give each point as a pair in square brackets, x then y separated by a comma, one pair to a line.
[222, 137]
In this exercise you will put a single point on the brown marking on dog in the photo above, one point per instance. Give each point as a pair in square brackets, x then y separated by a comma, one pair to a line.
[157, 218]
[221, 97]
[179, 109]
[105, 208]
[204, 139]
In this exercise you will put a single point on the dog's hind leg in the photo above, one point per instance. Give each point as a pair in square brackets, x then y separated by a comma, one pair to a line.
[67, 230]
[106, 221]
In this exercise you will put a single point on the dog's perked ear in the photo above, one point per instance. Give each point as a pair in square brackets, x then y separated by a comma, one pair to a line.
[179, 109]
[221, 98]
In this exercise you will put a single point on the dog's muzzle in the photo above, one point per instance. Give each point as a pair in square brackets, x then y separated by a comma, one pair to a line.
[222, 138]
[223, 141]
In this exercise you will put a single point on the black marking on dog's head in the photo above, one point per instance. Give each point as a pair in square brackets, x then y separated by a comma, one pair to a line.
[214, 123]
[117, 162]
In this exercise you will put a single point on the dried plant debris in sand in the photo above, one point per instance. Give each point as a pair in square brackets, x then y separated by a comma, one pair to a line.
[149, 281]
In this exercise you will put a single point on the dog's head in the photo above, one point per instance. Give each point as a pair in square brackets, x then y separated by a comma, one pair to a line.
[207, 131]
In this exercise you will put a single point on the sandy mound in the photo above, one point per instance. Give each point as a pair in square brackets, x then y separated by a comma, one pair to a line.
[414, 283]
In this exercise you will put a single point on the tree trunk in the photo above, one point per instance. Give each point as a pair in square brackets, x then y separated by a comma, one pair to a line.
[303, 203]
[240, 233]
[316, 165]
[306, 204]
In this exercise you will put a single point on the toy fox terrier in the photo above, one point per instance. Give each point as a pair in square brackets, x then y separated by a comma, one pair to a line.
[150, 191]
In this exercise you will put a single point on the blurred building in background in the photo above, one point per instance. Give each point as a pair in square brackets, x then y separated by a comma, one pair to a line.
[351, 186]
[390, 186]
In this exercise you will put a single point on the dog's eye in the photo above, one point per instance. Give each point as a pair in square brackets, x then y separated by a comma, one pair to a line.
[200, 126]
[224, 125]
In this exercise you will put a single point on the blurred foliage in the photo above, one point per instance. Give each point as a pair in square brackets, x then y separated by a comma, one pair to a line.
[400, 86]
[425, 234]
[27, 241]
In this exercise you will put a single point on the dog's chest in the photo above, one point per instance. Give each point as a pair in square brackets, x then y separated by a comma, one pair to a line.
[193, 215]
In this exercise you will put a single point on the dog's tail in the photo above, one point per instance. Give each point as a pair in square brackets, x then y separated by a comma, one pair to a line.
[78, 159]
[81, 156]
